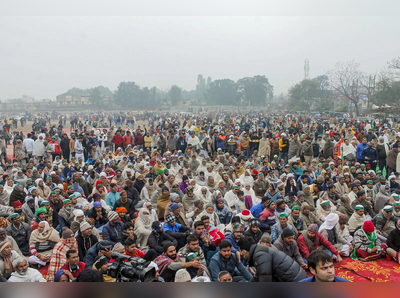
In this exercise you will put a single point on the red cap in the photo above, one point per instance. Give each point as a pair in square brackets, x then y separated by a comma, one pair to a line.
[255, 172]
[368, 226]
[246, 212]
[16, 204]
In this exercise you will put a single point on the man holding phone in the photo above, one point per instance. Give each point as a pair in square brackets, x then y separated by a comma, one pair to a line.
[208, 247]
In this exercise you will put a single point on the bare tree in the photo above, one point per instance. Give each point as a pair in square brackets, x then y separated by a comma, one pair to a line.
[369, 87]
[346, 80]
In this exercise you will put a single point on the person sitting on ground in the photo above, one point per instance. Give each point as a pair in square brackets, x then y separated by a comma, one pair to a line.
[270, 264]
[277, 228]
[158, 237]
[296, 221]
[367, 246]
[7, 257]
[286, 244]
[102, 248]
[178, 231]
[67, 242]
[267, 216]
[331, 233]
[23, 273]
[310, 239]
[385, 221]
[393, 243]
[101, 263]
[225, 276]
[254, 230]
[357, 219]
[41, 243]
[20, 231]
[224, 260]
[85, 239]
[113, 228]
[132, 251]
[192, 246]
[169, 262]
[321, 267]
[72, 267]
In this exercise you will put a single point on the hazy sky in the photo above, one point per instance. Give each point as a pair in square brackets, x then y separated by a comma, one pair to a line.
[45, 56]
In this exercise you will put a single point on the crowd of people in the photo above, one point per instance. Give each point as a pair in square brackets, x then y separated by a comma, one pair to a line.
[208, 197]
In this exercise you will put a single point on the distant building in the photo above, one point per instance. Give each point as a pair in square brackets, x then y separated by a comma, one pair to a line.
[69, 99]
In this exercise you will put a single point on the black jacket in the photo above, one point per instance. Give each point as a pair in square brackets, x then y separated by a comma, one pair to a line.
[393, 240]
[98, 223]
[156, 241]
[129, 206]
[85, 244]
[274, 265]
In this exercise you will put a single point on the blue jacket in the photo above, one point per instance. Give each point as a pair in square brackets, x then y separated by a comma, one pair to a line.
[111, 233]
[257, 209]
[173, 229]
[312, 279]
[218, 264]
[91, 254]
[360, 149]
[232, 240]
[372, 153]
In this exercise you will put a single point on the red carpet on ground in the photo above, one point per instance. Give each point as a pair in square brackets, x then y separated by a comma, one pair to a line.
[354, 271]
[380, 270]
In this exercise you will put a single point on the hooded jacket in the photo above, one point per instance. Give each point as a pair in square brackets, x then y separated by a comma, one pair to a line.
[274, 265]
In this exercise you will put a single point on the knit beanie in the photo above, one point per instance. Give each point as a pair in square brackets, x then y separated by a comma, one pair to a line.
[67, 233]
[368, 226]
[96, 204]
[182, 276]
[112, 215]
[167, 245]
[287, 233]
[84, 226]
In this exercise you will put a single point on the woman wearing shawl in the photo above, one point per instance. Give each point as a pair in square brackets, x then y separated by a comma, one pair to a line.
[9, 186]
[210, 183]
[204, 195]
[7, 256]
[148, 190]
[162, 202]
[58, 257]
[18, 194]
[143, 227]
[248, 191]
[4, 196]
[188, 199]
[41, 243]
[152, 212]
[246, 178]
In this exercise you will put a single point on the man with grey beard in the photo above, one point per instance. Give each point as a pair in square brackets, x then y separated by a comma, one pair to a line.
[23, 273]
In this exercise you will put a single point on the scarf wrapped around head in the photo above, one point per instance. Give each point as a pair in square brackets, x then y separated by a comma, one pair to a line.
[8, 268]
